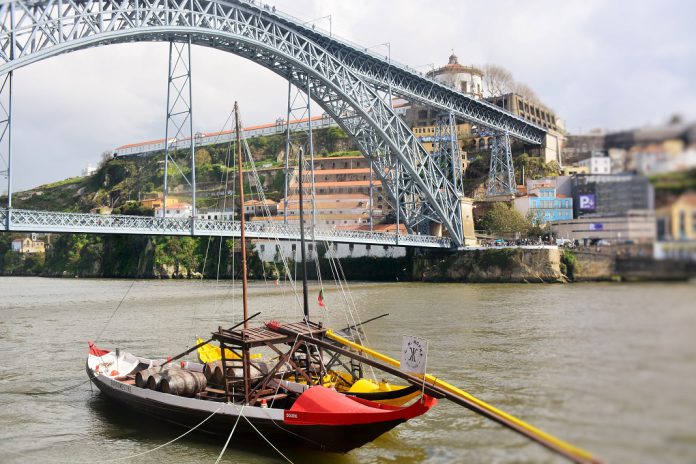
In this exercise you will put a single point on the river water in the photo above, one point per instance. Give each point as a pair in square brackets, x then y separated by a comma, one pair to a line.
[609, 367]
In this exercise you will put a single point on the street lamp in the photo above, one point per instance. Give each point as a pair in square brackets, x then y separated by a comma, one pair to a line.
[319, 18]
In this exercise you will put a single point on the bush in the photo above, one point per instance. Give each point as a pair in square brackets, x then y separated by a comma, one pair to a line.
[569, 264]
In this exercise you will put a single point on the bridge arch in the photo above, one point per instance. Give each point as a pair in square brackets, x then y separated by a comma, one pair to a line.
[35, 31]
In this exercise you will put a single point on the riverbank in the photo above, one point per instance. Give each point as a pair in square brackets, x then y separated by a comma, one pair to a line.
[152, 258]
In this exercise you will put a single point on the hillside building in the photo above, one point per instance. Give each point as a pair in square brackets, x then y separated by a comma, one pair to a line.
[677, 220]
[543, 201]
[28, 245]
[597, 163]
[175, 208]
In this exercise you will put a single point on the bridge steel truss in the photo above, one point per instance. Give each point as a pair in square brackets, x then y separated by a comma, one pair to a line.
[179, 117]
[348, 84]
[48, 221]
[299, 108]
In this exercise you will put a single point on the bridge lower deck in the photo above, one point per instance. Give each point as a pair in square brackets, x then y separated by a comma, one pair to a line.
[18, 220]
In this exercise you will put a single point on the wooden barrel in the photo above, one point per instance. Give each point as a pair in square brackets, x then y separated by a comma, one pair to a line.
[213, 372]
[184, 383]
[154, 381]
[142, 376]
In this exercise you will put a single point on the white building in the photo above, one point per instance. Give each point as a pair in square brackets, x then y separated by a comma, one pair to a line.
[226, 214]
[88, 170]
[466, 79]
[270, 250]
[598, 163]
[175, 209]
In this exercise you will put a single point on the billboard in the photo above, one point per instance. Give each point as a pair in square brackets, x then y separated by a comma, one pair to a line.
[596, 226]
[587, 202]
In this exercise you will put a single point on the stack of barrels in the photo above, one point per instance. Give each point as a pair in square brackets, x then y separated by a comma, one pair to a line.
[214, 373]
[172, 379]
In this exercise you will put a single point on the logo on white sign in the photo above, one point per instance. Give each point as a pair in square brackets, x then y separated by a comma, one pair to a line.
[414, 354]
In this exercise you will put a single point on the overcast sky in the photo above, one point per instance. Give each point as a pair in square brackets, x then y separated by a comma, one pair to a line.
[598, 63]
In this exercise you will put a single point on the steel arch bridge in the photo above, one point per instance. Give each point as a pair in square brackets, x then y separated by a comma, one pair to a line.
[351, 85]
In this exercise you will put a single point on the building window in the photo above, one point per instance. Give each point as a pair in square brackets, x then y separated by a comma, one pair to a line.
[263, 248]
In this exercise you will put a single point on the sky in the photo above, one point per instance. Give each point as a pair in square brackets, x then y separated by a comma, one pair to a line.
[610, 64]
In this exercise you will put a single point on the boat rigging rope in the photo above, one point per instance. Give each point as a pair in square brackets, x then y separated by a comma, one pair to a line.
[241, 411]
[267, 440]
[114, 312]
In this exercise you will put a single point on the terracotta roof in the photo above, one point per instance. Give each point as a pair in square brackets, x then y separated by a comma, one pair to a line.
[214, 134]
[259, 202]
[328, 205]
[337, 197]
[327, 172]
[382, 228]
[308, 216]
[688, 197]
[139, 144]
[348, 183]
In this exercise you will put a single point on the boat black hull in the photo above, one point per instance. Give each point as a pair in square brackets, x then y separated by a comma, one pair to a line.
[333, 438]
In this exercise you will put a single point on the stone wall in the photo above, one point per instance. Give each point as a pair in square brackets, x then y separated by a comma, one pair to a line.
[489, 265]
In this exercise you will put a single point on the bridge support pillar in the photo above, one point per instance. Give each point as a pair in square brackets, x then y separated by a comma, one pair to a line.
[466, 206]
[6, 136]
[299, 109]
[446, 149]
[179, 122]
[501, 178]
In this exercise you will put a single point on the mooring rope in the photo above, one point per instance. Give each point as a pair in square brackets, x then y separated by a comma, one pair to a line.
[60, 390]
[241, 411]
[124, 458]
[267, 440]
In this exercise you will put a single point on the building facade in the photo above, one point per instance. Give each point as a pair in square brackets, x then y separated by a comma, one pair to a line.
[597, 163]
[677, 220]
[540, 115]
[611, 195]
[28, 245]
[636, 226]
[544, 204]
[466, 79]
[175, 208]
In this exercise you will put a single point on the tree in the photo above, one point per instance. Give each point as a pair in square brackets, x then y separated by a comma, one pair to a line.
[497, 80]
[525, 92]
[502, 219]
[203, 157]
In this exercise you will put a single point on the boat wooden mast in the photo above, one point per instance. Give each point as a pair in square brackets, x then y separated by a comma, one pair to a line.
[302, 239]
[240, 165]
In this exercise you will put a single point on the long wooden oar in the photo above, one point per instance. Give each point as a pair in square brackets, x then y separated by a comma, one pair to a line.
[467, 400]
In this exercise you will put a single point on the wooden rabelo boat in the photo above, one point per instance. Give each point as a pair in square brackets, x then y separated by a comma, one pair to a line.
[285, 400]
[290, 413]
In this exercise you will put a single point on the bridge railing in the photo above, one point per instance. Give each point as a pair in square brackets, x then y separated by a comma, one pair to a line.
[19, 220]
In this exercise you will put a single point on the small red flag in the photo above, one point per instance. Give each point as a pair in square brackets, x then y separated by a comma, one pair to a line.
[320, 298]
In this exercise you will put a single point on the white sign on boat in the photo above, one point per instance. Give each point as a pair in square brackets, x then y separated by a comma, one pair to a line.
[414, 354]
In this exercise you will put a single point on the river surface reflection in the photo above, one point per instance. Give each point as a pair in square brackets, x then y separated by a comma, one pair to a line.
[609, 367]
